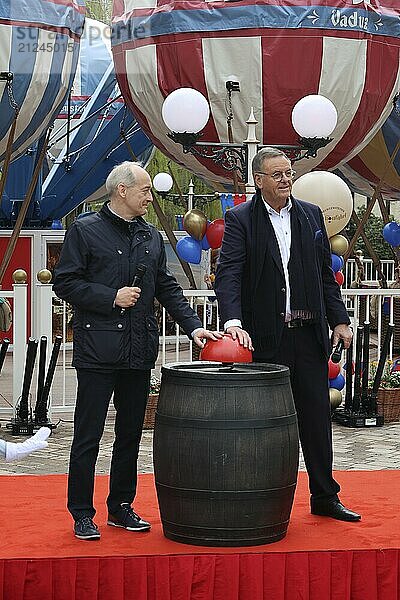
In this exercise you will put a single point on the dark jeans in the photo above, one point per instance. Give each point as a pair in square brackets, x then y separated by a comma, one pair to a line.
[95, 388]
[301, 352]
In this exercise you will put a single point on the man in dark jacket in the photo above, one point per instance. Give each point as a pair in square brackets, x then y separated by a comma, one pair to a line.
[115, 338]
[277, 292]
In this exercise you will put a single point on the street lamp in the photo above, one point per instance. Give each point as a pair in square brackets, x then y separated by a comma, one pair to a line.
[186, 111]
[163, 183]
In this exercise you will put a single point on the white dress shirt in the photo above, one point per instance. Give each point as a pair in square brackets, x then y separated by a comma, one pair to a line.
[280, 221]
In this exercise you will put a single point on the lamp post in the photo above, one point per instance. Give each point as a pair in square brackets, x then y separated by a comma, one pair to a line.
[186, 112]
[163, 183]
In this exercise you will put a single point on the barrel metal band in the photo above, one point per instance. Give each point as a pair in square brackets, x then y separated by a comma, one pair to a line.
[178, 529]
[226, 494]
[227, 424]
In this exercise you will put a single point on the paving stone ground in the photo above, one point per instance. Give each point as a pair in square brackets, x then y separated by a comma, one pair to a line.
[354, 448]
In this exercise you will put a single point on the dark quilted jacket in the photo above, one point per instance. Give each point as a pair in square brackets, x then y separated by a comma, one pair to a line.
[99, 256]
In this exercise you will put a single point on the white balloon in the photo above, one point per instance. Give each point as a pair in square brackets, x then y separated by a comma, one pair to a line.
[330, 193]
[163, 182]
[185, 110]
[314, 116]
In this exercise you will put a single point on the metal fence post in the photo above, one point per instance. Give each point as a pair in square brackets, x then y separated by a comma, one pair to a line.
[20, 289]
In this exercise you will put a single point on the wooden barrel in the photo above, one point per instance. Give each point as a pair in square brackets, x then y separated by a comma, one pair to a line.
[226, 452]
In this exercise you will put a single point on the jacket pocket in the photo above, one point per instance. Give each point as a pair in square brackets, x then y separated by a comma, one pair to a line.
[104, 343]
[152, 339]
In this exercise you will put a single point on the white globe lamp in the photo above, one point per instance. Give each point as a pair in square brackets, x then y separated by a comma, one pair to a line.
[314, 116]
[162, 183]
[185, 111]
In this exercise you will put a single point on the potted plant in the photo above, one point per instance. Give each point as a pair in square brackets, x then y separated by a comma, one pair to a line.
[388, 403]
[150, 414]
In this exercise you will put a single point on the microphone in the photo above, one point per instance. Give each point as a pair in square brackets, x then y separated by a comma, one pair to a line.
[337, 353]
[137, 279]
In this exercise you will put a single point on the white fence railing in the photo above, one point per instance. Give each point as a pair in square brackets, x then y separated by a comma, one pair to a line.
[370, 272]
[376, 306]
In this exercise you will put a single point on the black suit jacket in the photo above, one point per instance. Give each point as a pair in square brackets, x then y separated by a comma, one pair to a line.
[232, 282]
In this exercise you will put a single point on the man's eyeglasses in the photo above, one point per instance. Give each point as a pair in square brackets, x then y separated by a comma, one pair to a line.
[278, 175]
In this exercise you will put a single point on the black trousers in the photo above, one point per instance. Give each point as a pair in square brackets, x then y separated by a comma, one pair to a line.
[301, 352]
[95, 388]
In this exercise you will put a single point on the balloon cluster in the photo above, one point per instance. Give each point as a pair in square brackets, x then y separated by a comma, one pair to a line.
[203, 235]
[391, 234]
[336, 384]
[339, 246]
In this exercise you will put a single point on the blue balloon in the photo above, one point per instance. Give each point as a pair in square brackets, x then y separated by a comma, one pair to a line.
[337, 262]
[338, 383]
[391, 234]
[189, 249]
[204, 242]
[57, 224]
[386, 307]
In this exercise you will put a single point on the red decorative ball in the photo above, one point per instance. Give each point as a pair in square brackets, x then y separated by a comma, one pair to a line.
[226, 350]
[339, 277]
[334, 369]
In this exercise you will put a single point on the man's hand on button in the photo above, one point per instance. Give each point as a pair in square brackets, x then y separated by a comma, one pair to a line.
[200, 334]
[241, 335]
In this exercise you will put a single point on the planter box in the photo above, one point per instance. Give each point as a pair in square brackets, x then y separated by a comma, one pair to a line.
[150, 413]
[388, 404]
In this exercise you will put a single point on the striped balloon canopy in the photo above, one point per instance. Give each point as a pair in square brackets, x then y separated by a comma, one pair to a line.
[39, 46]
[279, 50]
[94, 58]
[378, 164]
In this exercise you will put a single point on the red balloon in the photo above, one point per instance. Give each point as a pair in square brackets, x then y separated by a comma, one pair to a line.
[334, 369]
[215, 233]
[339, 277]
[226, 350]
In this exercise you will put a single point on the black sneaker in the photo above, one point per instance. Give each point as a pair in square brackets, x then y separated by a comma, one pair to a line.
[85, 529]
[125, 517]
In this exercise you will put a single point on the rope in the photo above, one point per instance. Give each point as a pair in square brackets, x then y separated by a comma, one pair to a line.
[11, 136]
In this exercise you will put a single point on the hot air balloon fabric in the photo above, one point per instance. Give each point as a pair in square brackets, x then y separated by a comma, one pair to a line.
[39, 46]
[280, 51]
[94, 58]
[373, 165]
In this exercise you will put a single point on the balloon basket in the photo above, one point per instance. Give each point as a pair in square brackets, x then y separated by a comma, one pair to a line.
[351, 419]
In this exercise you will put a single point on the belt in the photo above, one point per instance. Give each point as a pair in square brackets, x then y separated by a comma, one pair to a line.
[299, 323]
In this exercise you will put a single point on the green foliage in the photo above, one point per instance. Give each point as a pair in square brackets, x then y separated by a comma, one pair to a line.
[373, 230]
[101, 10]
[390, 378]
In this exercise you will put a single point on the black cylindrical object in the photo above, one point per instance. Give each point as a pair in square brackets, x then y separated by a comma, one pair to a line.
[225, 452]
[31, 351]
[348, 401]
[41, 403]
[3, 351]
[41, 369]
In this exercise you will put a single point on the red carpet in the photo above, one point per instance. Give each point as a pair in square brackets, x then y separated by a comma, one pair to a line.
[320, 559]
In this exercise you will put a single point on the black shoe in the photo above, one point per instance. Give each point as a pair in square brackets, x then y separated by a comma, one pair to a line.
[85, 529]
[332, 507]
[125, 517]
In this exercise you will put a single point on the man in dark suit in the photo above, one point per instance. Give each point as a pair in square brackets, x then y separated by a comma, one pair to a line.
[277, 294]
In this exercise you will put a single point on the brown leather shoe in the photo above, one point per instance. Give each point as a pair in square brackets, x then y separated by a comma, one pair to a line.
[332, 507]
